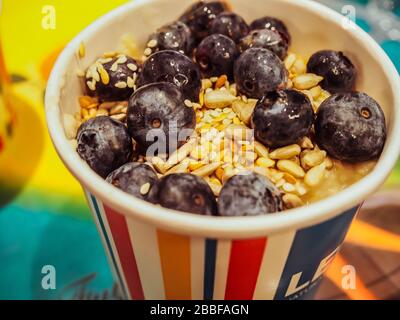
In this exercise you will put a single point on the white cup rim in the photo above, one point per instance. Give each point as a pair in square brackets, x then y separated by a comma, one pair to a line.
[223, 227]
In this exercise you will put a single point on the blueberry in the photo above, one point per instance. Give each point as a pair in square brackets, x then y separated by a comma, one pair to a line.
[230, 25]
[104, 144]
[174, 67]
[174, 36]
[271, 23]
[185, 192]
[216, 55]
[351, 127]
[249, 195]
[157, 112]
[338, 71]
[258, 71]
[268, 39]
[282, 118]
[131, 177]
[200, 16]
[112, 84]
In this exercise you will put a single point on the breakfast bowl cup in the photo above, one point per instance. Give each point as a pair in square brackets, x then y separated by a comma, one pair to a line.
[157, 253]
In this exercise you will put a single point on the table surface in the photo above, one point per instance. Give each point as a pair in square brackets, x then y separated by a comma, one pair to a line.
[44, 219]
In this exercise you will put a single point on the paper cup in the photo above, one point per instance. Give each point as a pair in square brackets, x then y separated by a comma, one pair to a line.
[158, 253]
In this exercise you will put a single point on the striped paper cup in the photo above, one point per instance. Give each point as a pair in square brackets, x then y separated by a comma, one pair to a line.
[158, 253]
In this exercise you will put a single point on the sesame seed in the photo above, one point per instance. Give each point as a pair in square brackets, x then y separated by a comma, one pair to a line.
[122, 59]
[231, 115]
[132, 66]
[119, 108]
[105, 60]
[188, 103]
[288, 187]
[130, 82]
[119, 117]
[91, 85]
[214, 113]
[121, 85]
[147, 52]
[196, 105]
[207, 118]
[206, 83]
[92, 72]
[80, 73]
[82, 50]
[152, 43]
[105, 78]
[110, 54]
[280, 183]
[92, 112]
[114, 67]
[101, 112]
[96, 76]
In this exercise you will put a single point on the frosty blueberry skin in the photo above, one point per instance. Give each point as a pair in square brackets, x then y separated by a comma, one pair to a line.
[274, 24]
[105, 144]
[267, 39]
[173, 36]
[282, 118]
[231, 25]
[200, 16]
[338, 71]
[351, 127]
[113, 80]
[131, 178]
[249, 195]
[216, 56]
[174, 67]
[158, 110]
[258, 71]
[185, 192]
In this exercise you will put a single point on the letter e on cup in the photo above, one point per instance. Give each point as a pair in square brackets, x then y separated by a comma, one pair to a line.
[323, 266]
[49, 278]
[294, 284]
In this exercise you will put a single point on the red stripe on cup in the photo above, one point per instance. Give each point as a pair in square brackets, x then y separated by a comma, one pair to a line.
[244, 267]
[120, 233]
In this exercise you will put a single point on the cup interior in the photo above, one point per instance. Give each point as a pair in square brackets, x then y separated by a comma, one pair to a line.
[310, 32]
[313, 27]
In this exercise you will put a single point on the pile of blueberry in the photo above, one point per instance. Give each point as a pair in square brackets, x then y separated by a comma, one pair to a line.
[209, 40]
